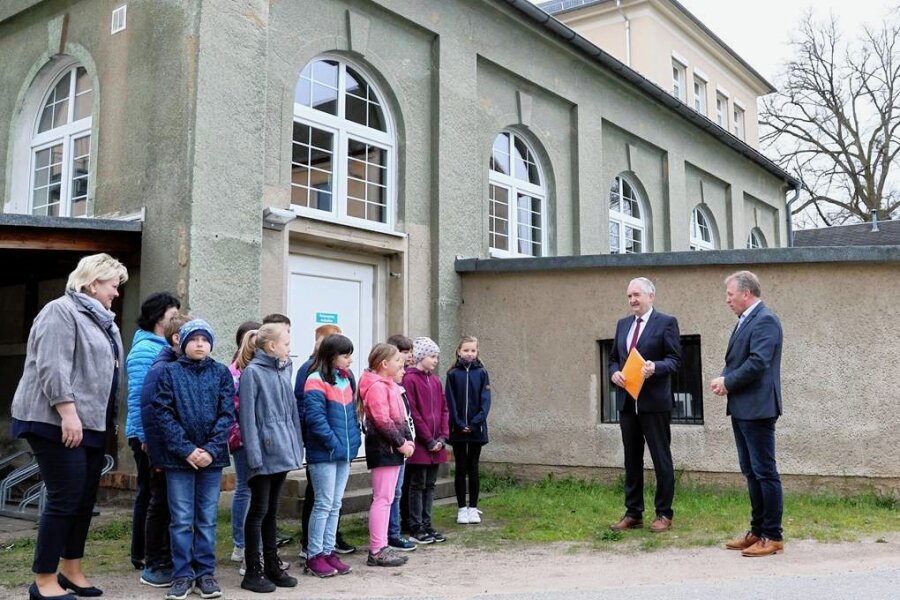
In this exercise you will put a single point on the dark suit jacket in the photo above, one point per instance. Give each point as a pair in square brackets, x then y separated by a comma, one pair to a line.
[659, 342]
[753, 367]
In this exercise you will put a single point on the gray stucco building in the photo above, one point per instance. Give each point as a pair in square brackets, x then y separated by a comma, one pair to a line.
[331, 159]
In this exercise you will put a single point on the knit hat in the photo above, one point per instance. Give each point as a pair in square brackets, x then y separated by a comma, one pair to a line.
[193, 328]
[423, 347]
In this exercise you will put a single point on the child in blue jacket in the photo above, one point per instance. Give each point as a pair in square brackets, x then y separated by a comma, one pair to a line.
[468, 393]
[194, 407]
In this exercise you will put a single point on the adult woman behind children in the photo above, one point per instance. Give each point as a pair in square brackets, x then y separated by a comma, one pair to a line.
[63, 407]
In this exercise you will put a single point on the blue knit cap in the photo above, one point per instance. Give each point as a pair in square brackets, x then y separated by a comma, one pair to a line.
[193, 328]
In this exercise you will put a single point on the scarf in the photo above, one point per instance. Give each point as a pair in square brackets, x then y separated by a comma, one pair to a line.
[105, 318]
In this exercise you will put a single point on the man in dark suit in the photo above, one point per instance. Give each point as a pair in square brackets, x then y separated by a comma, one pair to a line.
[752, 382]
[656, 337]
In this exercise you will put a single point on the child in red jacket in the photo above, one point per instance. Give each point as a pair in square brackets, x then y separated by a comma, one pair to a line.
[431, 418]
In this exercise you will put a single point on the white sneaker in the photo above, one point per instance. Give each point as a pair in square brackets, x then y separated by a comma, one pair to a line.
[462, 516]
[474, 515]
[237, 555]
[243, 570]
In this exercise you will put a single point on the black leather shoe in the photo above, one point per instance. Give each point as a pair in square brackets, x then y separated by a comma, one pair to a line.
[87, 592]
[35, 594]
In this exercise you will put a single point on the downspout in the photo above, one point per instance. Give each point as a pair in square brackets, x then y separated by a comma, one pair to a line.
[790, 222]
[627, 32]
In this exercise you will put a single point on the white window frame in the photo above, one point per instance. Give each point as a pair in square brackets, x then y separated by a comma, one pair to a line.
[700, 92]
[722, 111]
[343, 130]
[756, 239]
[65, 135]
[739, 116]
[513, 187]
[617, 217]
[679, 80]
[697, 241]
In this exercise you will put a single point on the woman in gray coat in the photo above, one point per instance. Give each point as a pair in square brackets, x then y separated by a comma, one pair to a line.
[63, 407]
[270, 431]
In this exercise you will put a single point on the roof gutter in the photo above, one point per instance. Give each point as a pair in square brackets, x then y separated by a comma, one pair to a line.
[790, 221]
[559, 30]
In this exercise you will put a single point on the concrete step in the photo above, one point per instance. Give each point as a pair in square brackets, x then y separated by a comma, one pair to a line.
[357, 496]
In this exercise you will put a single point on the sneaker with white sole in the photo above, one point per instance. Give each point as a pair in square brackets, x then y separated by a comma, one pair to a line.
[474, 515]
[180, 588]
[237, 555]
[462, 516]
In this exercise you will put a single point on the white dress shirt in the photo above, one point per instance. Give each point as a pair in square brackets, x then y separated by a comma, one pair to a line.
[644, 318]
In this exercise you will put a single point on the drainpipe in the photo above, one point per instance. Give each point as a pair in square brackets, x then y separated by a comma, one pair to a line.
[790, 223]
[627, 32]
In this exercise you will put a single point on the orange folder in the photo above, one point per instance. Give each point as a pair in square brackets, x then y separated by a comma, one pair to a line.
[634, 379]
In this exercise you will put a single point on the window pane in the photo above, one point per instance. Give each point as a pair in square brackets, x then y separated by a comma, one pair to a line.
[303, 91]
[46, 119]
[83, 94]
[498, 226]
[79, 207]
[325, 72]
[614, 238]
[500, 154]
[356, 208]
[365, 164]
[525, 167]
[61, 91]
[312, 166]
[529, 225]
[60, 113]
[376, 117]
[324, 99]
[357, 110]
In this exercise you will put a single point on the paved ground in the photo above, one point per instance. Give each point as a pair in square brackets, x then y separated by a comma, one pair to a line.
[866, 570]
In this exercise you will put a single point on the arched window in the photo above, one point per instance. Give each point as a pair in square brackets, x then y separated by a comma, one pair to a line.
[61, 146]
[343, 150]
[756, 239]
[703, 237]
[516, 199]
[627, 228]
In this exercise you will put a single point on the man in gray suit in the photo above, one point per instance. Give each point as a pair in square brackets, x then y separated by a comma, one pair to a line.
[752, 381]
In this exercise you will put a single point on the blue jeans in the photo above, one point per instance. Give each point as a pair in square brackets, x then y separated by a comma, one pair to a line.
[240, 502]
[755, 441]
[394, 524]
[193, 502]
[329, 480]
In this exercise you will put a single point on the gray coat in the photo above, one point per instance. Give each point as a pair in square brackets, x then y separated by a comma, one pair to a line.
[270, 426]
[68, 358]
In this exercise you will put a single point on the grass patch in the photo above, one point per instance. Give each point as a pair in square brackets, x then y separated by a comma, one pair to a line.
[551, 510]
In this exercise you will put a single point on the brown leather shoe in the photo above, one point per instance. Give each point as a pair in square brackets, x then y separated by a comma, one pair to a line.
[764, 547]
[627, 523]
[661, 524]
[742, 543]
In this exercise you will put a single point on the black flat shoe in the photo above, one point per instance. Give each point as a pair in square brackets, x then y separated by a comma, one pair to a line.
[35, 594]
[87, 592]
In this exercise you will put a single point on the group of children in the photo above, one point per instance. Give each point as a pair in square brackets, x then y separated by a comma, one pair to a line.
[195, 410]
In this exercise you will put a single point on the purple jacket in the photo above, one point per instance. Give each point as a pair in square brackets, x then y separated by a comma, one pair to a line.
[429, 414]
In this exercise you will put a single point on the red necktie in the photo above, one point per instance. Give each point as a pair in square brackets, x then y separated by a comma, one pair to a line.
[637, 332]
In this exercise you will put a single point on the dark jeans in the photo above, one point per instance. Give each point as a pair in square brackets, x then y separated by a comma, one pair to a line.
[755, 441]
[158, 547]
[71, 476]
[193, 504]
[654, 428]
[261, 520]
[404, 505]
[467, 456]
[141, 501]
[421, 494]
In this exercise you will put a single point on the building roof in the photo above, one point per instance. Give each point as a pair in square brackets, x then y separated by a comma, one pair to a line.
[558, 7]
[629, 75]
[859, 234]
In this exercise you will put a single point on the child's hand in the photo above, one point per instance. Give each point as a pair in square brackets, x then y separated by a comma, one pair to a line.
[407, 449]
[205, 458]
[467, 430]
[194, 457]
[438, 447]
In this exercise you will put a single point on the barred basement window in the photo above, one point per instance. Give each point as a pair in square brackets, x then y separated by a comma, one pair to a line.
[687, 385]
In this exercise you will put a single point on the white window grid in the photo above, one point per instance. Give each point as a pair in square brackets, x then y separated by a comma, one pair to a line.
[119, 19]
[699, 94]
[678, 80]
[722, 111]
[756, 239]
[61, 146]
[739, 122]
[627, 228]
[702, 235]
[516, 204]
[349, 203]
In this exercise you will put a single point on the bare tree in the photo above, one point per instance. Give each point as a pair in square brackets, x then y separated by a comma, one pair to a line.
[835, 123]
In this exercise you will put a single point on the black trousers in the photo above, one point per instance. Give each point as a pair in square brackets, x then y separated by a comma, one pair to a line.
[421, 494]
[265, 491]
[654, 428]
[141, 501]
[466, 456]
[404, 506]
[158, 549]
[71, 476]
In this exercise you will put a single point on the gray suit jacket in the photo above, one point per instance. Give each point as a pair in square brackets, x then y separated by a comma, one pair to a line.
[753, 367]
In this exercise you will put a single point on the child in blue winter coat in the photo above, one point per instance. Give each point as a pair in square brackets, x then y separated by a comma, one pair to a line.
[194, 408]
[468, 393]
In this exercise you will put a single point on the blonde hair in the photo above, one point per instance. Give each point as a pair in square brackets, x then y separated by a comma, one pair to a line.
[96, 267]
[466, 339]
[174, 324]
[269, 333]
[246, 350]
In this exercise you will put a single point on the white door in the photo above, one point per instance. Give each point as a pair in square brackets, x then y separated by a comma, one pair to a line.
[324, 290]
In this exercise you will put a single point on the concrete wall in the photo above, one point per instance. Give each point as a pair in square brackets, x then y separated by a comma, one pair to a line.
[539, 329]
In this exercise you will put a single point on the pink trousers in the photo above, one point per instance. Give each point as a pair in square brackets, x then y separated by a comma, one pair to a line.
[384, 482]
